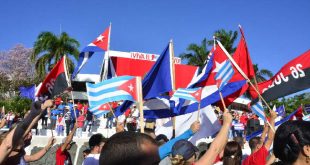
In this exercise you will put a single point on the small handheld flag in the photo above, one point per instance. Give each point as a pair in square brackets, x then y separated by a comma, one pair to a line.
[258, 109]
[193, 94]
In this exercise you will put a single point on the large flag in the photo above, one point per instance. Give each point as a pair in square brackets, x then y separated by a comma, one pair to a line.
[157, 81]
[115, 89]
[243, 60]
[293, 77]
[258, 109]
[193, 94]
[28, 92]
[56, 82]
[98, 45]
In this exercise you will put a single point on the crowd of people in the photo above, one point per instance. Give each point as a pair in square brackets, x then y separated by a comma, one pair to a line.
[289, 144]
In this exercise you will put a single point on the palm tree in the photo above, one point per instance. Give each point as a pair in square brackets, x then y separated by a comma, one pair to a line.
[261, 74]
[197, 54]
[49, 49]
[227, 38]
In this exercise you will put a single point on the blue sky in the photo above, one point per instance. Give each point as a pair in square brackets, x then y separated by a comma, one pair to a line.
[276, 31]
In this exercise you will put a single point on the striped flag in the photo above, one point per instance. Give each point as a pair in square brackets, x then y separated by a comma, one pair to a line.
[100, 110]
[115, 89]
[101, 43]
[224, 73]
[306, 118]
[193, 94]
[258, 109]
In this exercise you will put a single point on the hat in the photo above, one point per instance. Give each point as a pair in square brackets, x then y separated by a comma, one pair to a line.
[184, 148]
[67, 107]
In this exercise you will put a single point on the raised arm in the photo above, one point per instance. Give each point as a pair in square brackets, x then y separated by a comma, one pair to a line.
[273, 116]
[41, 153]
[165, 149]
[218, 143]
[69, 138]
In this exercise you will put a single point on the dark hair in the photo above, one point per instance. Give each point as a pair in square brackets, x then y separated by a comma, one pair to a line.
[130, 148]
[289, 140]
[95, 140]
[232, 154]
[87, 151]
[239, 140]
[254, 142]
[161, 139]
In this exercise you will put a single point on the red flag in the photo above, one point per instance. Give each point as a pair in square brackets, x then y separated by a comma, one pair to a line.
[56, 82]
[102, 41]
[104, 107]
[131, 87]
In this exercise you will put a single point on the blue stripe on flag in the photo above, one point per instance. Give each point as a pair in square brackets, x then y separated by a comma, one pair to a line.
[258, 109]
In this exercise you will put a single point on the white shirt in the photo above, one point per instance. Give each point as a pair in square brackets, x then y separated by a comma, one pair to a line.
[91, 159]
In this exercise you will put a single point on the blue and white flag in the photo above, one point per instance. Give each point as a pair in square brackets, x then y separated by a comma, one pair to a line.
[192, 94]
[306, 118]
[281, 110]
[157, 81]
[224, 74]
[258, 109]
[110, 90]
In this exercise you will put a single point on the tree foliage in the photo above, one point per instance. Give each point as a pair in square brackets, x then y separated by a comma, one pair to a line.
[16, 105]
[49, 49]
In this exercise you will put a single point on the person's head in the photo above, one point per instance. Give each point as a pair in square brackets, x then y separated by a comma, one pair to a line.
[60, 115]
[161, 139]
[131, 148]
[202, 147]
[253, 143]
[239, 140]
[232, 154]
[183, 152]
[96, 142]
[86, 152]
[67, 108]
[292, 142]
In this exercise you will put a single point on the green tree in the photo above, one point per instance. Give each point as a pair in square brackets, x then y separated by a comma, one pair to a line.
[262, 74]
[48, 49]
[197, 54]
[227, 38]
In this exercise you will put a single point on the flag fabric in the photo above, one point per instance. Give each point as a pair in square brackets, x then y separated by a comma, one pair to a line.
[28, 92]
[307, 108]
[98, 45]
[298, 115]
[100, 110]
[292, 77]
[258, 109]
[56, 82]
[306, 118]
[281, 110]
[277, 124]
[208, 120]
[115, 89]
[157, 81]
[224, 73]
[193, 94]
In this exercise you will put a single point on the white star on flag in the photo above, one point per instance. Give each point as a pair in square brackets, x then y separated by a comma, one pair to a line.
[100, 38]
[130, 87]
[218, 66]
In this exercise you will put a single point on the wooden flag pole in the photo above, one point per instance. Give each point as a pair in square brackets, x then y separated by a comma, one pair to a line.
[140, 102]
[198, 114]
[171, 50]
[222, 99]
[246, 77]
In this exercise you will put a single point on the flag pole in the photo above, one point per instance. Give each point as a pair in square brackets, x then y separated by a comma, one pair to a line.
[198, 111]
[140, 102]
[242, 73]
[105, 63]
[173, 80]
[246, 77]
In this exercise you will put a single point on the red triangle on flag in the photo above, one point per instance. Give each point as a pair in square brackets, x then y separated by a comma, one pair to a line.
[102, 40]
[104, 107]
[130, 87]
[197, 94]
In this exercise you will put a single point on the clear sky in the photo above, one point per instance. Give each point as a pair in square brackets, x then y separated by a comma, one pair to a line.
[276, 30]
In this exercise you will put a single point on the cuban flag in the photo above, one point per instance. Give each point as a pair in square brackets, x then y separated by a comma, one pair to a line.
[193, 94]
[158, 80]
[224, 74]
[258, 109]
[115, 89]
[100, 44]
[101, 110]
[306, 118]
